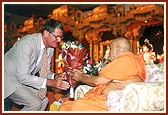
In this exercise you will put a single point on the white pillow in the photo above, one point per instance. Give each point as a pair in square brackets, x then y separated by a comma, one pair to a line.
[138, 97]
[153, 73]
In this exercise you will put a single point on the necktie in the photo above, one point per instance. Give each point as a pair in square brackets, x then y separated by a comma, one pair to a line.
[43, 73]
[43, 70]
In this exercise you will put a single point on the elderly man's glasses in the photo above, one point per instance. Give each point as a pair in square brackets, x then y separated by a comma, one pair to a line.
[57, 36]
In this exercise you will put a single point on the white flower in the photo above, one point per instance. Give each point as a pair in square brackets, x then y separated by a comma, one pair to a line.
[69, 44]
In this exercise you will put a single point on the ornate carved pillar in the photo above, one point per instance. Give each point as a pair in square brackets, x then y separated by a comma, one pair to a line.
[95, 50]
[135, 41]
[57, 52]
[91, 50]
[53, 63]
[53, 60]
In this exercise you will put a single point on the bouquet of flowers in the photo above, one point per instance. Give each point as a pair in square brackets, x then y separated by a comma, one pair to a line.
[75, 56]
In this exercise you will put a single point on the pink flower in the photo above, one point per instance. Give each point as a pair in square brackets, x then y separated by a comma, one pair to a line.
[90, 62]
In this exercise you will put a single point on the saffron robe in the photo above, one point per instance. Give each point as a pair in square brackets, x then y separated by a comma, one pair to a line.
[125, 67]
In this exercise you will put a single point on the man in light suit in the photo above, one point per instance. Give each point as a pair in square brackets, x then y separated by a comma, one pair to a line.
[23, 61]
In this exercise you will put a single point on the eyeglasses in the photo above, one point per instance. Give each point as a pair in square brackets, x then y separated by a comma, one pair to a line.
[57, 36]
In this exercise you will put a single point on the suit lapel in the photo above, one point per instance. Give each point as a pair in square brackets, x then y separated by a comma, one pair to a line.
[37, 54]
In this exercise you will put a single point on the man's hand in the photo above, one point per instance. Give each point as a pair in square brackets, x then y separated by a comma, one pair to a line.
[58, 83]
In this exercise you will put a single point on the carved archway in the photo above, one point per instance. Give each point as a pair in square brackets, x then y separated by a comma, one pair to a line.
[135, 31]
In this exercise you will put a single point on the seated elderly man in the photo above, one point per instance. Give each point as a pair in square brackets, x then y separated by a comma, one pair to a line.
[124, 68]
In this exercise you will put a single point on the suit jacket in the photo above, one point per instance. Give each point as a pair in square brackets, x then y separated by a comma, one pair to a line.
[20, 64]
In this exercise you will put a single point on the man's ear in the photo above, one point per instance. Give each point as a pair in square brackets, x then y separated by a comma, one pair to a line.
[46, 33]
[118, 49]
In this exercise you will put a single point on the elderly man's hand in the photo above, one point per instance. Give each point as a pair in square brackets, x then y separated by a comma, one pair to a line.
[76, 74]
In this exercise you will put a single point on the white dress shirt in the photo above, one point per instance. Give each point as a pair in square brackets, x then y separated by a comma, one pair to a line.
[39, 61]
